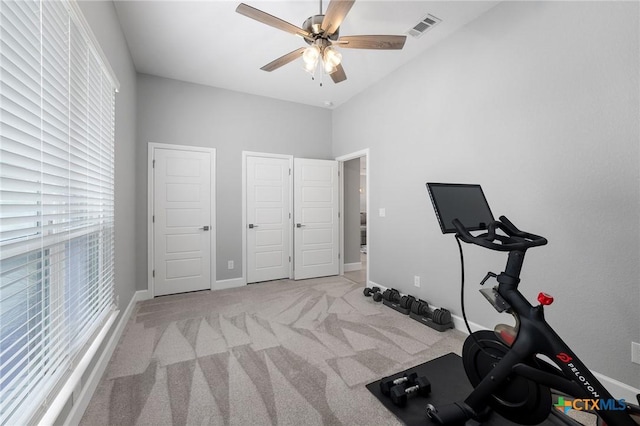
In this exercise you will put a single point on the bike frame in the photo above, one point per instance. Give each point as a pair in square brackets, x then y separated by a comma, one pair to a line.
[535, 336]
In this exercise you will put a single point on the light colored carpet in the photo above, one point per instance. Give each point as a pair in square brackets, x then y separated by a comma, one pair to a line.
[282, 352]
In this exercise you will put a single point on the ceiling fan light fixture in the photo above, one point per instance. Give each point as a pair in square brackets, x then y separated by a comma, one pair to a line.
[310, 67]
[328, 68]
[332, 57]
[311, 55]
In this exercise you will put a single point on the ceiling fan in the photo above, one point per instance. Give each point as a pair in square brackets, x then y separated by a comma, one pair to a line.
[321, 32]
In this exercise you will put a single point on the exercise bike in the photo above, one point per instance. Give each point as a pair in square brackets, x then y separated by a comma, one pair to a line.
[515, 370]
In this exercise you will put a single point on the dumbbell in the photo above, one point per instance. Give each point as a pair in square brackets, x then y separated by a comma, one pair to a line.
[441, 316]
[386, 384]
[399, 393]
[438, 316]
[420, 307]
[407, 301]
[391, 294]
[368, 292]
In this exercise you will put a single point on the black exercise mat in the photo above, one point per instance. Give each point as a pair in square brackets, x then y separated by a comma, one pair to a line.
[448, 384]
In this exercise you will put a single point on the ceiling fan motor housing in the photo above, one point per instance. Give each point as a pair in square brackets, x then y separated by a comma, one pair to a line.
[313, 25]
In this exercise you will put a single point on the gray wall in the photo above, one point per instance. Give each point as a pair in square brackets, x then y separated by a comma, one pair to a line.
[539, 103]
[174, 112]
[352, 211]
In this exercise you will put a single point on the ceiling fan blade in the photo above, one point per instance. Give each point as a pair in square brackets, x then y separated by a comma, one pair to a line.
[381, 42]
[265, 18]
[283, 60]
[336, 11]
[338, 75]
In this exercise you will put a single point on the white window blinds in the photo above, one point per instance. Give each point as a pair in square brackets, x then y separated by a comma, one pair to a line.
[56, 199]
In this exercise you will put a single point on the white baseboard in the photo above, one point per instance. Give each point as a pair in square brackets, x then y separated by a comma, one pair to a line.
[374, 284]
[141, 295]
[618, 389]
[458, 324]
[82, 402]
[230, 283]
[349, 267]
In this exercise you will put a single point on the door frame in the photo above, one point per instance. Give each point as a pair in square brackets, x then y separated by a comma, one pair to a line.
[341, 160]
[246, 154]
[152, 146]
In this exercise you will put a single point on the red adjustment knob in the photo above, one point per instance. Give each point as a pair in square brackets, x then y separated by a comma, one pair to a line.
[545, 299]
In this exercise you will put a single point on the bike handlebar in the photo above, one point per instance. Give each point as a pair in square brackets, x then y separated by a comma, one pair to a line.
[514, 240]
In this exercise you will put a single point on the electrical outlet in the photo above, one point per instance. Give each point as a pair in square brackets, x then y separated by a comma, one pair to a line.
[635, 352]
[416, 280]
[382, 212]
[230, 264]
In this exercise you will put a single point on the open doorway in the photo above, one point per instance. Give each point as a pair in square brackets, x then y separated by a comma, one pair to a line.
[355, 227]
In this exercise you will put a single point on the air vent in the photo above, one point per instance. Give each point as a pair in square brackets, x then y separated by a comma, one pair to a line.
[424, 25]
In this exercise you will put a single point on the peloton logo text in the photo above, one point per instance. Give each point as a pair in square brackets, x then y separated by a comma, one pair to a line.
[567, 360]
[590, 404]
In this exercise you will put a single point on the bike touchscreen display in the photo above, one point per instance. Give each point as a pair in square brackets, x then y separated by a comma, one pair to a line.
[465, 202]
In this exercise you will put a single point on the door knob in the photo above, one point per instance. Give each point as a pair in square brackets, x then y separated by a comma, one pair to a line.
[299, 225]
[251, 226]
[205, 228]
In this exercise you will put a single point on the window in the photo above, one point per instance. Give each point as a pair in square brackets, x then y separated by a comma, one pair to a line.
[56, 199]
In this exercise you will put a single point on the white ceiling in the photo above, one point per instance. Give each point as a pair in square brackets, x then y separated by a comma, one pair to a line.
[207, 42]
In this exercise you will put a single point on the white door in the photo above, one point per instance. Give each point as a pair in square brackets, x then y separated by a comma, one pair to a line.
[182, 223]
[316, 219]
[268, 218]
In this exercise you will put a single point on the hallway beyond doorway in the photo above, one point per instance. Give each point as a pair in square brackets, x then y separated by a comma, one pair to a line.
[359, 276]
